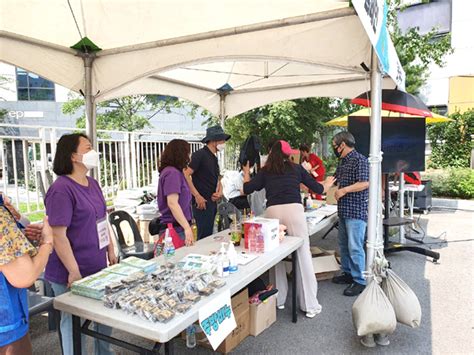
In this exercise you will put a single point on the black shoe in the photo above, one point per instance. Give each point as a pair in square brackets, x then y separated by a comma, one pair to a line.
[343, 279]
[354, 289]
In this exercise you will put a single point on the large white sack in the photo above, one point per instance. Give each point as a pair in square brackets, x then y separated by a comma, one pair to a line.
[372, 312]
[404, 301]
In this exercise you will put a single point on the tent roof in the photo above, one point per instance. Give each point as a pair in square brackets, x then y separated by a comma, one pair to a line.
[267, 50]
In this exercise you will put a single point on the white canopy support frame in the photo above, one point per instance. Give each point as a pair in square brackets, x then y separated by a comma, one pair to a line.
[374, 223]
[266, 51]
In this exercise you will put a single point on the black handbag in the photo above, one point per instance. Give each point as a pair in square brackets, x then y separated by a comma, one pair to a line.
[155, 226]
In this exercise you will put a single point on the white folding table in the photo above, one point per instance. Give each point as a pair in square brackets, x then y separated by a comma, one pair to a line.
[162, 333]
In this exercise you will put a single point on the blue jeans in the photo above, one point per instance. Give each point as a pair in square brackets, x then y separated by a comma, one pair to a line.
[100, 347]
[205, 219]
[351, 245]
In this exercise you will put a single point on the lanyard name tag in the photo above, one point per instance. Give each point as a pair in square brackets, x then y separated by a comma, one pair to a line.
[103, 233]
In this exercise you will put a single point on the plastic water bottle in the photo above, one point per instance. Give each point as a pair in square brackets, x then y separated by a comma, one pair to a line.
[191, 336]
[222, 262]
[232, 255]
[168, 248]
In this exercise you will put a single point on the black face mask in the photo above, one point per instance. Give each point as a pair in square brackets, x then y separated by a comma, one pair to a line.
[336, 152]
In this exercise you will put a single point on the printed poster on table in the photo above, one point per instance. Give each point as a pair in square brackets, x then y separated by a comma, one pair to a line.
[217, 319]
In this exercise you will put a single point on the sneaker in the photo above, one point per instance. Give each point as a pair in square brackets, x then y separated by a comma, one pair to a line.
[282, 306]
[313, 314]
[354, 289]
[382, 339]
[368, 341]
[343, 279]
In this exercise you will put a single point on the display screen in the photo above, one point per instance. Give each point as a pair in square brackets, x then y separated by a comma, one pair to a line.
[403, 142]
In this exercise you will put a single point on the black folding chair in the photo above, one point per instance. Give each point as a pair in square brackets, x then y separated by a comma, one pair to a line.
[138, 248]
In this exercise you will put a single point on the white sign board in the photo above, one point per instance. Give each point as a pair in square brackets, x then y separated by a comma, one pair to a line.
[373, 15]
[217, 319]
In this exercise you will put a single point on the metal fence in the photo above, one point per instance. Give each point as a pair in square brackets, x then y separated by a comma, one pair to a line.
[127, 160]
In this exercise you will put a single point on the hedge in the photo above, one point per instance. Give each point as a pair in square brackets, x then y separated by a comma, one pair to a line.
[452, 182]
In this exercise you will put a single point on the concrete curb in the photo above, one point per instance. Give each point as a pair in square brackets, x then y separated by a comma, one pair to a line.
[467, 205]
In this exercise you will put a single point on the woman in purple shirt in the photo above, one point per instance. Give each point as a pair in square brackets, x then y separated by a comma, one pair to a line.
[77, 213]
[174, 196]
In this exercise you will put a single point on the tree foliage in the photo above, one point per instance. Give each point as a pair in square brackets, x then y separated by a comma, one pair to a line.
[451, 142]
[296, 121]
[126, 113]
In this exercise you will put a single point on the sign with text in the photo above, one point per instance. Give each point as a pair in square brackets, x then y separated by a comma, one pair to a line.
[217, 319]
[373, 15]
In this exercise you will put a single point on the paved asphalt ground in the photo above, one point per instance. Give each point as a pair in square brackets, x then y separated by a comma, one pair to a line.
[445, 291]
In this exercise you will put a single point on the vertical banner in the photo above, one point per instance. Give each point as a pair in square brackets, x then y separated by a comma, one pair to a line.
[217, 319]
[373, 15]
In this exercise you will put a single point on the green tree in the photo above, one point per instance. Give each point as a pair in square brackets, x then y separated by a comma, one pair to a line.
[296, 121]
[124, 113]
[415, 50]
[451, 142]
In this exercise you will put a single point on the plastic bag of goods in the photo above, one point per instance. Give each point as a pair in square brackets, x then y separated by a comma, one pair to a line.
[372, 312]
[404, 301]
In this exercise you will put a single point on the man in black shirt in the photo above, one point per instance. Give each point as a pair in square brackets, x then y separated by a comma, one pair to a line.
[203, 177]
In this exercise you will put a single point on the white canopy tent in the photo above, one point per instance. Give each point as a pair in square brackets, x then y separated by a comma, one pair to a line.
[265, 51]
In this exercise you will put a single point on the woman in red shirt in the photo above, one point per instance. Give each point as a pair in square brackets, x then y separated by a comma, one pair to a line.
[317, 170]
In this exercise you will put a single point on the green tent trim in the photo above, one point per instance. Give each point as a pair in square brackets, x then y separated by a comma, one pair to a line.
[85, 45]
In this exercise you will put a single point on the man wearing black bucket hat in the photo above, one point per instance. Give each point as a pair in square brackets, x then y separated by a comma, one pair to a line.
[203, 177]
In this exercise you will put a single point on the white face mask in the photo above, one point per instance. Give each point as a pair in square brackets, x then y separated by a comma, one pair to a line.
[90, 159]
[220, 147]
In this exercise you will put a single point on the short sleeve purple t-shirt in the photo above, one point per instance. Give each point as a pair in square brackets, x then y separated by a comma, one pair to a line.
[77, 207]
[172, 181]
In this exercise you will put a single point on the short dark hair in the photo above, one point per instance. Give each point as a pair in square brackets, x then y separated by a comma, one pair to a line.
[345, 137]
[305, 148]
[67, 145]
[277, 162]
[176, 154]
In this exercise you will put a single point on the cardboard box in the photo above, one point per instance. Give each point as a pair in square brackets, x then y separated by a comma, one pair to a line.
[317, 251]
[240, 307]
[262, 315]
[269, 227]
[240, 302]
[325, 263]
[325, 267]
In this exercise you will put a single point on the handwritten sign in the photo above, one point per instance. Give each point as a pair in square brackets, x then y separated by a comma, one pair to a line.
[217, 319]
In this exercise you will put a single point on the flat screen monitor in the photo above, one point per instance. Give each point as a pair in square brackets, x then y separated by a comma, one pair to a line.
[403, 142]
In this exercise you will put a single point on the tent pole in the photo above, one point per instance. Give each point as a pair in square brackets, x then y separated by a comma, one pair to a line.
[375, 160]
[222, 110]
[91, 127]
[222, 123]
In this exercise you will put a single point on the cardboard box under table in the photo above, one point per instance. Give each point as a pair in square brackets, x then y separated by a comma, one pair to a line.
[240, 307]
[262, 315]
